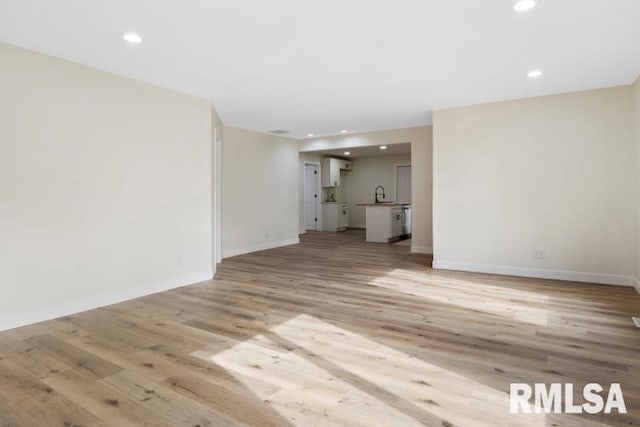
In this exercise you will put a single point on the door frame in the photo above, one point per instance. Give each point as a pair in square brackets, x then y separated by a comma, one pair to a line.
[318, 191]
[395, 179]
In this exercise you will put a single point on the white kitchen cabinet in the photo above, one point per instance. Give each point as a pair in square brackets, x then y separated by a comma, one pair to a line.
[343, 217]
[335, 216]
[331, 171]
[384, 223]
[396, 222]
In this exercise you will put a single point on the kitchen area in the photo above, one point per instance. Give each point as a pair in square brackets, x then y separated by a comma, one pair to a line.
[367, 188]
[387, 221]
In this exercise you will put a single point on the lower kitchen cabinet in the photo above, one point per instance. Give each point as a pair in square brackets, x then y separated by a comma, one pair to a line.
[386, 223]
[335, 216]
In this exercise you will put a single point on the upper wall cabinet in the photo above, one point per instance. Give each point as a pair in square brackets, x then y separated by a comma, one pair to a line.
[331, 171]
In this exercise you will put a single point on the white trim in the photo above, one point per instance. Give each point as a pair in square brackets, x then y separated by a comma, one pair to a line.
[573, 276]
[422, 249]
[261, 247]
[362, 226]
[636, 283]
[93, 302]
[302, 231]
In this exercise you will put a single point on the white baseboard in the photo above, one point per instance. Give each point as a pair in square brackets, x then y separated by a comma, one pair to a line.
[302, 231]
[362, 226]
[422, 249]
[261, 247]
[97, 301]
[573, 276]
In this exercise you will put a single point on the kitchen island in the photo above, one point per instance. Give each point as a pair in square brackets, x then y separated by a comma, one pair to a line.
[387, 221]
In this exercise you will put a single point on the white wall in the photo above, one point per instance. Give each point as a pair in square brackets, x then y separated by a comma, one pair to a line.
[367, 174]
[105, 188]
[260, 191]
[555, 173]
[421, 160]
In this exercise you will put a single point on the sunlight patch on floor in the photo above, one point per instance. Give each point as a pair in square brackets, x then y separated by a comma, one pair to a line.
[326, 375]
[485, 298]
[305, 393]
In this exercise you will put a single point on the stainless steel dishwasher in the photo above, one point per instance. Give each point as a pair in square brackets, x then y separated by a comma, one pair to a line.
[406, 220]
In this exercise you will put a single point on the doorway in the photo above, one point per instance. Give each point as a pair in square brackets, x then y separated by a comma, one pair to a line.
[311, 196]
[403, 183]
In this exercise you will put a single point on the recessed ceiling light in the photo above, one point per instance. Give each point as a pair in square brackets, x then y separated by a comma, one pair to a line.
[132, 38]
[534, 74]
[347, 153]
[524, 5]
[309, 135]
[383, 147]
[343, 131]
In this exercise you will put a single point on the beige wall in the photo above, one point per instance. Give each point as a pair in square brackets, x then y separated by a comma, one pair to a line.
[421, 159]
[636, 91]
[555, 173]
[367, 174]
[260, 191]
[105, 188]
[422, 192]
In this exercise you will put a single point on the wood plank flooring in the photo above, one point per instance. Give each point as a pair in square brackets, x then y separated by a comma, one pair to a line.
[334, 331]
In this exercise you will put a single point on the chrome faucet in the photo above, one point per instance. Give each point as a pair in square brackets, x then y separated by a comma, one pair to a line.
[383, 196]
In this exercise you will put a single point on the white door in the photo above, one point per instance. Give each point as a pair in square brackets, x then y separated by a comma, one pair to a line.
[403, 183]
[311, 197]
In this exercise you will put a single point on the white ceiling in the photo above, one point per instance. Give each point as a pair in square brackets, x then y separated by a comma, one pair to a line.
[368, 151]
[328, 65]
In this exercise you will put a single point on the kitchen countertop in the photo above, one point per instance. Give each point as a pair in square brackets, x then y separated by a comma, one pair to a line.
[383, 205]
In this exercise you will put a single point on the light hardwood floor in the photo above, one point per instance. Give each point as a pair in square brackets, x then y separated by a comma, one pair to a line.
[334, 331]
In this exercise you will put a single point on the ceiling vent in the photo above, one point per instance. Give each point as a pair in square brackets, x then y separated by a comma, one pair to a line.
[278, 132]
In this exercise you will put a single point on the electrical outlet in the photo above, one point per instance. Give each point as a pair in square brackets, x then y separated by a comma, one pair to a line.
[538, 253]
